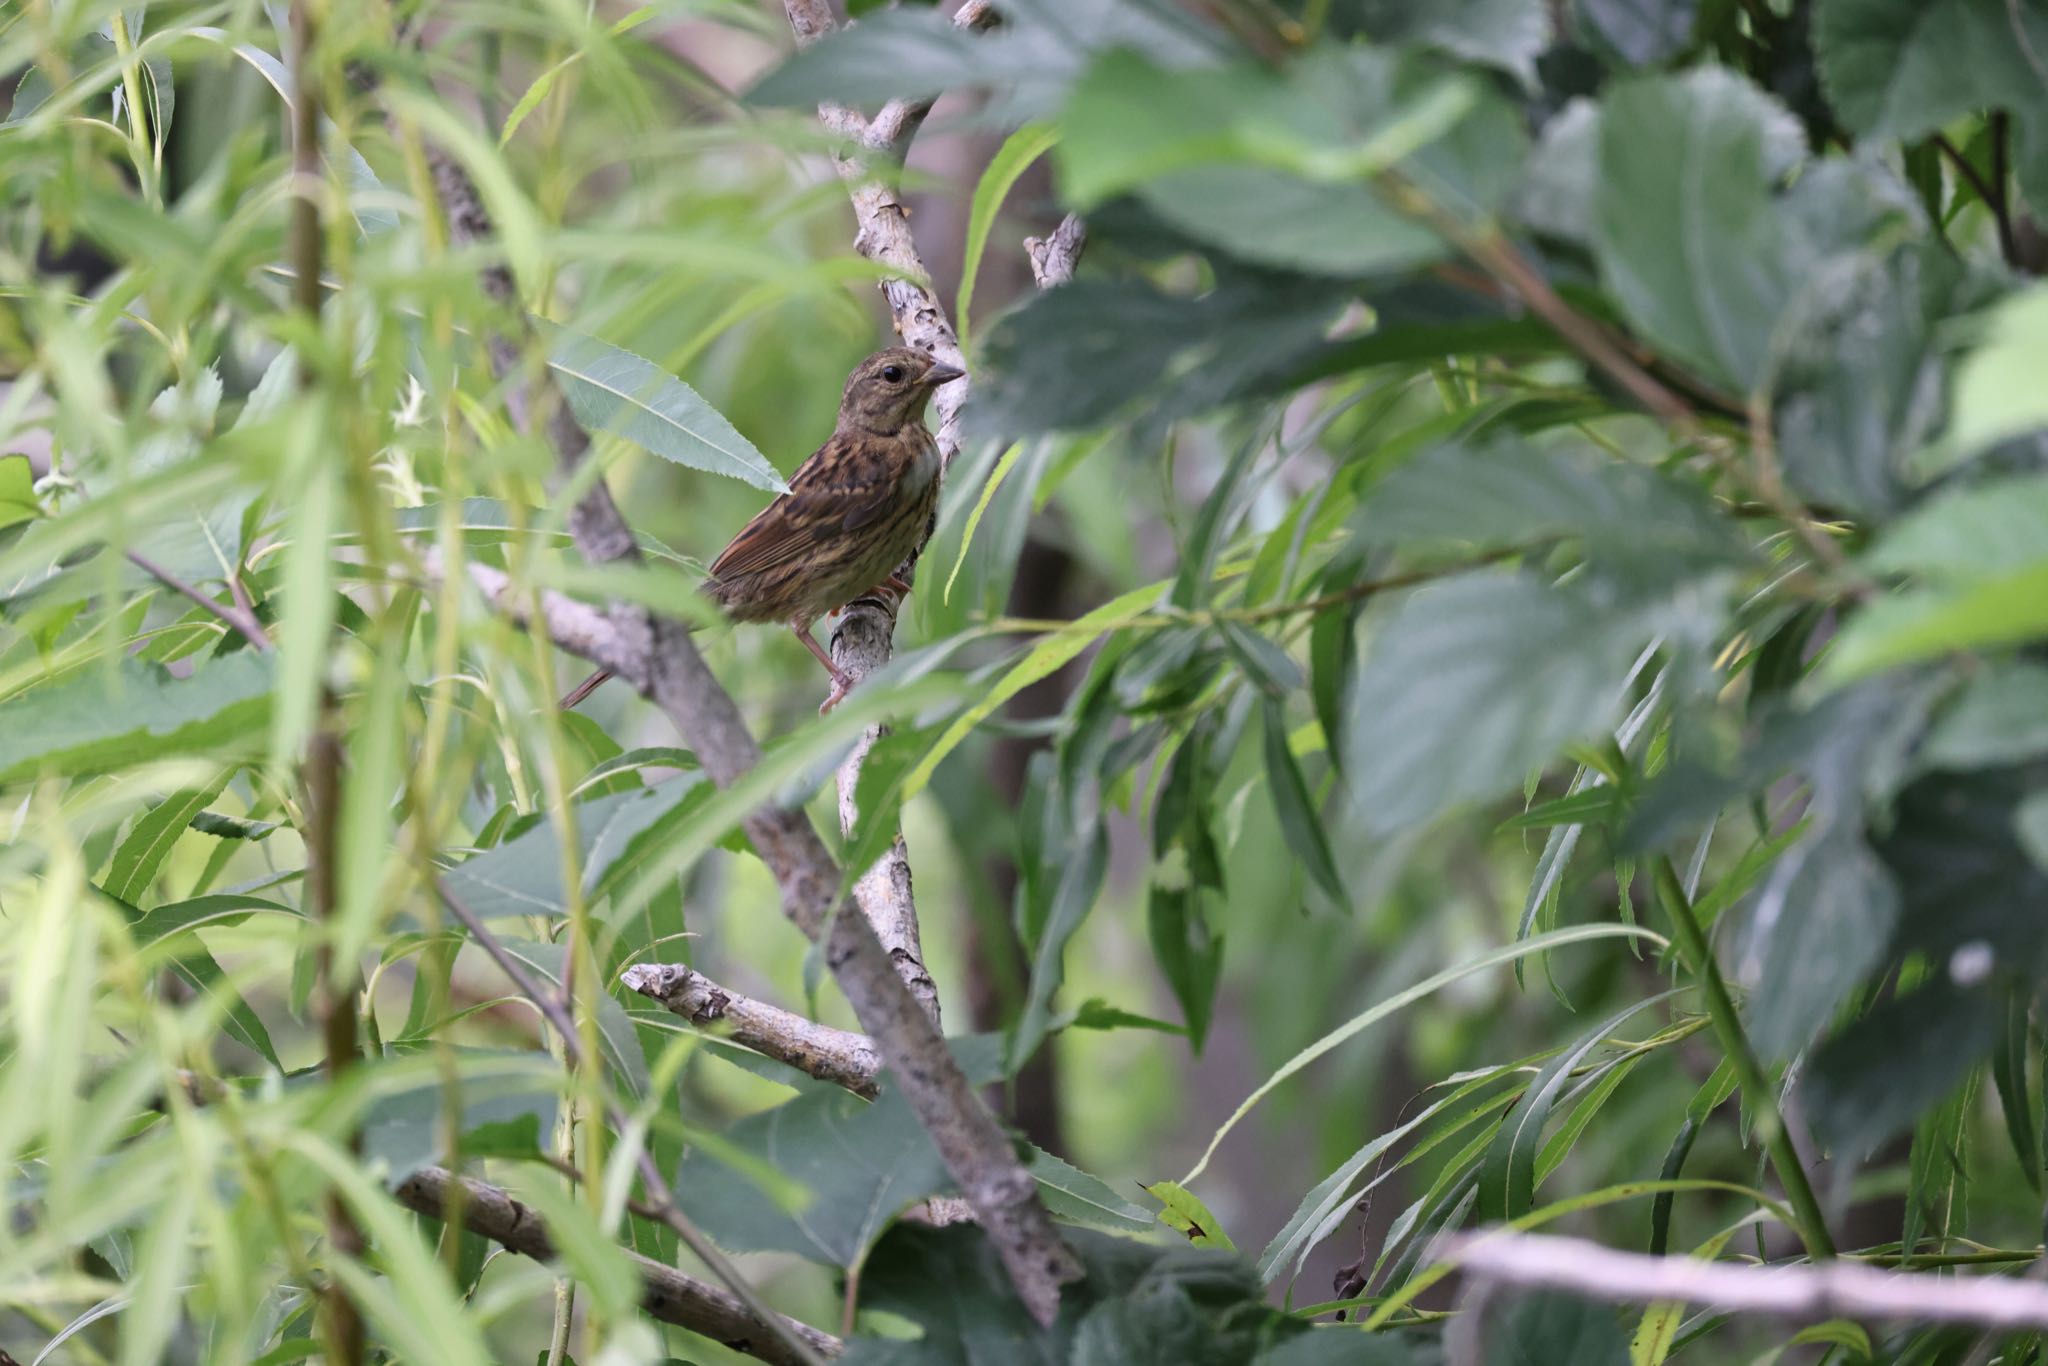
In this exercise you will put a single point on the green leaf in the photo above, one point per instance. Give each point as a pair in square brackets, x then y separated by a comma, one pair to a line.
[613, 390]
[1900, 68]
[1272, 167]
[1994, 396]
[1004, 464]
[1073, 1196]
[1011, 160]
[1875, 1078]
[1640, 32]
[1473, 683]
[508, 1110]
[1359, 1023]
[1507, 1177]
[1186, 1215]
[1300, 824]
[1984, 569]
[1080, 880]
[1509, 34]
[617, 1040]
[1083, 354]
[523, 876]
[107, 717]
[18, 501]
[1047, 655]
[1636, 522]
[1704, 273]
[1546, 1326]
[862, 1162]
[1190, 953]
[2001, 717]
[140, 855]
[1860, 378]
[2010, 1065]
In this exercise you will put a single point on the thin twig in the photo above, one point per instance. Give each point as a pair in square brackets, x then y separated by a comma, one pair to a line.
[238, 618]
[666, 1294]
[660, 1204]
[1835, 1289]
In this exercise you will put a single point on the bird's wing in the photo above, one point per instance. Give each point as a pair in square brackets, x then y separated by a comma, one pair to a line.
[846, 484]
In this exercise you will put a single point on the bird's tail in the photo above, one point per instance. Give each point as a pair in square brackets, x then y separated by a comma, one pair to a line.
[584, 689]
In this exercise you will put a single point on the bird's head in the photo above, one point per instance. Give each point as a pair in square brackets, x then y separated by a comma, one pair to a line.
[889, 389]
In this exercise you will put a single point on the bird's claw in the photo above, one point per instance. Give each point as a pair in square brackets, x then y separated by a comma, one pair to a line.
[842, 684]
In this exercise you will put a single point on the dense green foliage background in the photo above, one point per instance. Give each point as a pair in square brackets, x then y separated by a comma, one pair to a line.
[1514, 487]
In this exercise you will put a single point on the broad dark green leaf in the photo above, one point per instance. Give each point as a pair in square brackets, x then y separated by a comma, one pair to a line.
[1899, 68]
[1820, 924]
[1082, 354]
[1473, 683]
[1027, 62]
[863, 1162]
[1999, 717]
[1509, 34]
[1860, 385]
[1635, 522]
[1876, 1077]
[1640, 32]
[523, 876]
[100, 718]
[1704, 273]
[1139, 1305]
[1546, 1327]
[1272, 167]
[1967, 884]
[508, 1105]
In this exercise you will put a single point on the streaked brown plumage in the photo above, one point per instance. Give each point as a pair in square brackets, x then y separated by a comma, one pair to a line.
[855, 510]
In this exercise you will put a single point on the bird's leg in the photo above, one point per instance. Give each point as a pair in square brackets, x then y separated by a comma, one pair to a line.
[841, 683]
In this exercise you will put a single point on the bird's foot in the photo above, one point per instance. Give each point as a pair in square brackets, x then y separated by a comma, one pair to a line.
[842, 684]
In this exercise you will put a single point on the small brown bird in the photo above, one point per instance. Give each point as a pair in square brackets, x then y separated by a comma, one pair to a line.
[855, 510]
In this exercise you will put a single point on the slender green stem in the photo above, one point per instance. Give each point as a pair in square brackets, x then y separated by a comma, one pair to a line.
[1749, 1073]
[141, 149]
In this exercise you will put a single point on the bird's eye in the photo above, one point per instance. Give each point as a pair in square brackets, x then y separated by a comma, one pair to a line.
[893, 373]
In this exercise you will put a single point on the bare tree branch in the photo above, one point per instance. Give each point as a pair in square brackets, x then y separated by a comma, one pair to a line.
[1835, 1289]
[665, 1293]
[974, 1147]
[834, 1055]
[1053, 258]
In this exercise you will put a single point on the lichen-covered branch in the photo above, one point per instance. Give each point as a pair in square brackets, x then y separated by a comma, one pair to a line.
[665, 1293]
[835, 1055]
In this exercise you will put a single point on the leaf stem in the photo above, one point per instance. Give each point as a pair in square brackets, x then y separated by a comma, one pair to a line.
[1749, 1074]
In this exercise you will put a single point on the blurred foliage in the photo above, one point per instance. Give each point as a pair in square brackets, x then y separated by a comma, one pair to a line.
[1551, 688]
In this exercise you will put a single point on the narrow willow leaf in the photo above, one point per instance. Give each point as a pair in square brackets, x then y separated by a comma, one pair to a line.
[1300, 824]
[1658, 1329]
[988, 492]
[1011, 160]
[612, 390]
[141, 854]
[1043, 658]
[1359, 1023]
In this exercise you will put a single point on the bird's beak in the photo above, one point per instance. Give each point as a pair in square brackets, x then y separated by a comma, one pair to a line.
[942, 374]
